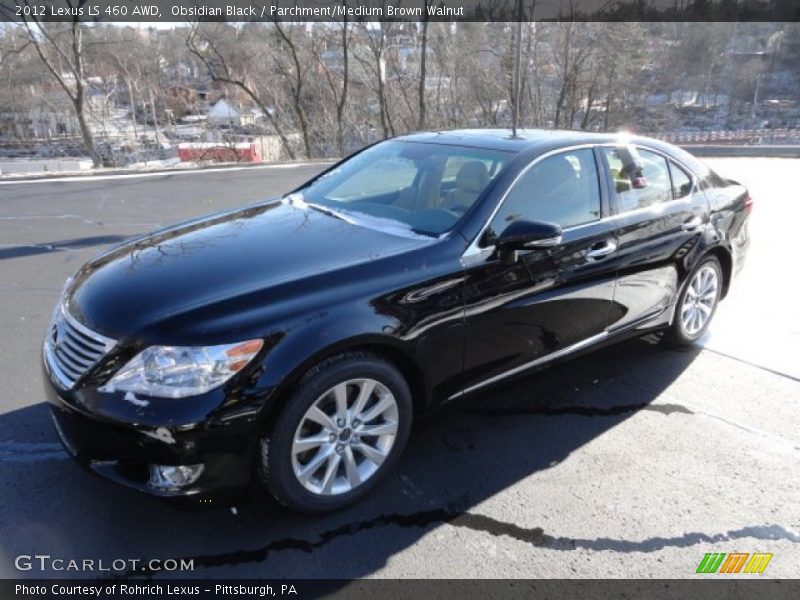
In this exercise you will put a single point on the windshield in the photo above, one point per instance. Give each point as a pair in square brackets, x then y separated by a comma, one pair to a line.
[424, 188]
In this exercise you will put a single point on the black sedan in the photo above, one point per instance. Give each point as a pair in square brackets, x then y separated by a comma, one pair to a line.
[292, 341]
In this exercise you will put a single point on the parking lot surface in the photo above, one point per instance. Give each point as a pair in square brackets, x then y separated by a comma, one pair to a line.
[631, 462]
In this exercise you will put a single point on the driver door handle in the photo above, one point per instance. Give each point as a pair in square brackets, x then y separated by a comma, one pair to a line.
[601, 250]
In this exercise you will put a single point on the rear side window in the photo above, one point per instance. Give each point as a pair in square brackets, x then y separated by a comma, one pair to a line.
[640, 178]
[681, 182]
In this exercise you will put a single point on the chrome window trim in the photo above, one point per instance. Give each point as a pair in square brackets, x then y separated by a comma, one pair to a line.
[473, 248]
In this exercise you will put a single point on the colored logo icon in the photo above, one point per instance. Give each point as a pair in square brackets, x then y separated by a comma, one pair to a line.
[735, 562]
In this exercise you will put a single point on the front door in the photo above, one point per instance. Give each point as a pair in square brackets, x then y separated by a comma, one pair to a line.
[520, 310]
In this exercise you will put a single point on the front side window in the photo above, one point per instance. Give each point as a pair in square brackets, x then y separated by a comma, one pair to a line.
[562, 189]
[640, 177]
[422, 187]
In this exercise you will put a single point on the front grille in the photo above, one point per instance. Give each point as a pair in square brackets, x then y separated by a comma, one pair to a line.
[71, 349]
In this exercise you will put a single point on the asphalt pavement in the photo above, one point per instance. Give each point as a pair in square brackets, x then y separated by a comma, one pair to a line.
[633, 461]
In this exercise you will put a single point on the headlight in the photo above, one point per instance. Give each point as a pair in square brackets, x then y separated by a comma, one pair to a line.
[180, 371]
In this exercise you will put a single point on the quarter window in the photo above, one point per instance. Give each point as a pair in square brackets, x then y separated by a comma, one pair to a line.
[563, 189]
[681, 182]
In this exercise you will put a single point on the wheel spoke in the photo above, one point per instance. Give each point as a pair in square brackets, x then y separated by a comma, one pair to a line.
[364, 394]
[387, 428]
[381, 405]
[351, 468]
[330, 472]
[702, 282]
[698, 321]
[340, 394]
[310, 442]
[371, 453]
[308, 470]
[706, 310]
[710, 295]
[320, 418]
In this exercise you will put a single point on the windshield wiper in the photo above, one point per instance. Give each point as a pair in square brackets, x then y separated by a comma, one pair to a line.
[330, 212]
[298, 201]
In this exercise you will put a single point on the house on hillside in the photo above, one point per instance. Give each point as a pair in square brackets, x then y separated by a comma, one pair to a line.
[225, 113]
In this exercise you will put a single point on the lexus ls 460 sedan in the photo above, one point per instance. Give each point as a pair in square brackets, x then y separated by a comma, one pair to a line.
[290, 342]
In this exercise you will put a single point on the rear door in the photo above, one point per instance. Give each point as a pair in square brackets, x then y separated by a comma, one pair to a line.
[660, 216]
[546, 300]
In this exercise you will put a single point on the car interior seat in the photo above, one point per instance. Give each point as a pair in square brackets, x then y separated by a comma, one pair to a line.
[471, 179]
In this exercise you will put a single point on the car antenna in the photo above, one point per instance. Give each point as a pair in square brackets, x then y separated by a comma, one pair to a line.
[517, 71]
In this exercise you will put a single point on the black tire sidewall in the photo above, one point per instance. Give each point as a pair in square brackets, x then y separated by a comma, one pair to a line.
[677, 332]
[276, 466]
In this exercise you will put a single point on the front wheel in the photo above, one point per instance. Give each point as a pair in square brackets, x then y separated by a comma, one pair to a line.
[697, 303]
[341, 431]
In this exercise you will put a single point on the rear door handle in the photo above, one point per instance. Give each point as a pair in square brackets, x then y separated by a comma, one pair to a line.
[692, 224]
[601, 250]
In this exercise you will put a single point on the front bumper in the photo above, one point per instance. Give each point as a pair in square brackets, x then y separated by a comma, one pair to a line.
[122, 451]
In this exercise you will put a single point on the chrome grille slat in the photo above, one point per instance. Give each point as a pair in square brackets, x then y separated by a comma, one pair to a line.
[85, 340]
[87, 356]
[71, 348]
[70, 362]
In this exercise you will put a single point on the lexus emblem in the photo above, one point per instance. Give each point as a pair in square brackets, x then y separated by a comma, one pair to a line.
[58, 334]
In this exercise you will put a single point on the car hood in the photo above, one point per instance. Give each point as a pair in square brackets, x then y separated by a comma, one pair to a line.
[214, 267]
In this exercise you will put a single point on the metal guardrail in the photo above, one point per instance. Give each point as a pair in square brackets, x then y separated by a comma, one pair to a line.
[750, 151]
[768, 137]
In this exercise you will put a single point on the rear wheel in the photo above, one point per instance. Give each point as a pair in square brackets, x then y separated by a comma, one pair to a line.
[697, 303]
[339, 434]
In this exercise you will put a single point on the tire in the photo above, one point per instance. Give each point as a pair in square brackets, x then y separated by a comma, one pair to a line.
[694, 311]
[301, 463]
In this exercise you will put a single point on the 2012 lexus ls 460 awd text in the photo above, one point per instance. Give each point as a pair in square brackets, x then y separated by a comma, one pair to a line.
[293, 340]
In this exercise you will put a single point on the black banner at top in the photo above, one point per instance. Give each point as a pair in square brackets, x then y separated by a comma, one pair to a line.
[181, 11]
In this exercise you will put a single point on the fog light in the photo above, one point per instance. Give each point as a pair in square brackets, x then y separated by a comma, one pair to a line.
[173, 477]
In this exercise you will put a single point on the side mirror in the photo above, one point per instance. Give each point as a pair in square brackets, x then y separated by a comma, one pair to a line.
[523, 235]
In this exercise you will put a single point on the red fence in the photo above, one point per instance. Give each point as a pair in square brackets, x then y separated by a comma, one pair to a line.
[210, 151]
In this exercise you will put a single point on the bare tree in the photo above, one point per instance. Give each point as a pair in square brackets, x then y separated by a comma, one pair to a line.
[338, 81]
[375, 40]
[227, 63]
[62, 49]
[423, 63]
[294, 73]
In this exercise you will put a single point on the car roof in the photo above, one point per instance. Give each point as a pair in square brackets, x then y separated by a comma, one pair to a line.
[502, 139]
[542, 140]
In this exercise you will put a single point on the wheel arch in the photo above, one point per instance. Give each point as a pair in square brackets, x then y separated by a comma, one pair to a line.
[723, 255]
[385, 348]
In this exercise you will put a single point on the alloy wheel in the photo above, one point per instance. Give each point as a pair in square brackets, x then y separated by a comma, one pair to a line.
[344, 437]
[699, 300]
